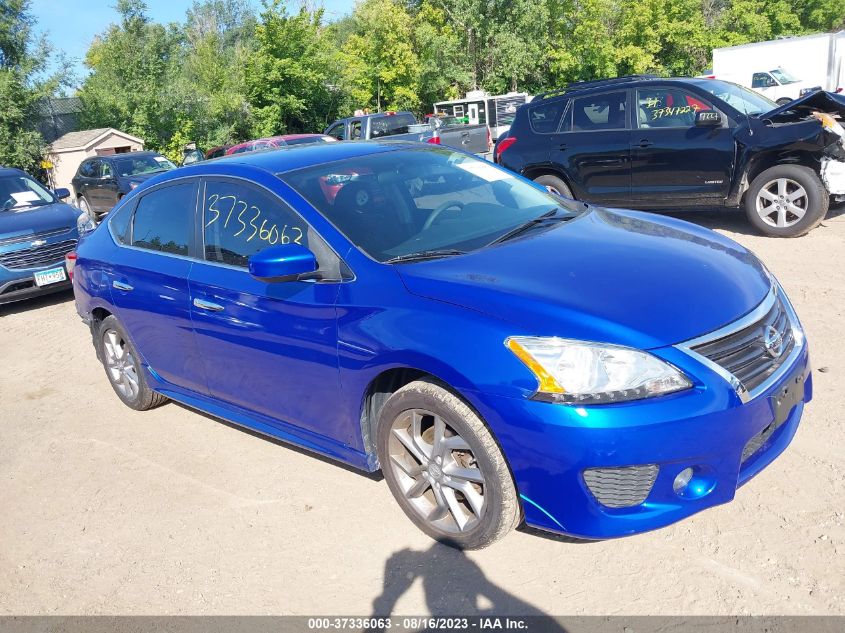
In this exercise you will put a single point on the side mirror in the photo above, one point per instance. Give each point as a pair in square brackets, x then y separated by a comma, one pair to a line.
[62, 193]
[286, 262]
[708, 118]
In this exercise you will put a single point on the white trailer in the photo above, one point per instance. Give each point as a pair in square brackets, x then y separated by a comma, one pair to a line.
[784, 69]
[497, 111]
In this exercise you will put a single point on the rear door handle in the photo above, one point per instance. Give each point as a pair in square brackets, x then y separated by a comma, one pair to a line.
[562, 146]
[645, 143]
[207, 305]
[119, 285]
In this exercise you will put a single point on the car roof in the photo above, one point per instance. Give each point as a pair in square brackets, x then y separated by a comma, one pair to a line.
[125, 154]
[11, 171]
[284, 159]
[581, 87]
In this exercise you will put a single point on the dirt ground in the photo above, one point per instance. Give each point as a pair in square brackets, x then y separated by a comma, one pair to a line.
[105, 510]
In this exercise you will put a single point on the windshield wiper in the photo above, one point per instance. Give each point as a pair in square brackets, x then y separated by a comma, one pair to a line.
[420, 255]
[551, 214]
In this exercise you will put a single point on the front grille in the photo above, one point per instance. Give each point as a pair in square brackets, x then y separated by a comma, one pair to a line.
[34, 236]
[621, 487]
[745, 353]
[37, 256]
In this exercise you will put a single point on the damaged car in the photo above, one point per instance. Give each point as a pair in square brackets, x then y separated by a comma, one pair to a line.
[653, 143]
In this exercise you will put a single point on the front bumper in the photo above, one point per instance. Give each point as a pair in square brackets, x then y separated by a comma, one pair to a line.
[17, 285]
[707, 428]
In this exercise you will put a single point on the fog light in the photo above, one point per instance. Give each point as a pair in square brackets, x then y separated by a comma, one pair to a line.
[695, 482]
[682, 480]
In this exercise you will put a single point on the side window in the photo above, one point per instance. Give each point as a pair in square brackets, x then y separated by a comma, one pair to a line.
[355, 130]
[337, 131]
[762, 80]
[390, 124]
[668, 107]
[545, 118]
[240, 220]
[86, 169]
[163, 219]
[105, 170]
[119, 222]
[599, 112]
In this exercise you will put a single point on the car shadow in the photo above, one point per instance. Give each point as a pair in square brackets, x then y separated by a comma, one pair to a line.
[34, 303]
[454, 585]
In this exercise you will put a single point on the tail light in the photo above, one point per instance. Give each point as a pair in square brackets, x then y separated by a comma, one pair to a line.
[70, 263]
[434, 140]
[504, 145]
[489, 140]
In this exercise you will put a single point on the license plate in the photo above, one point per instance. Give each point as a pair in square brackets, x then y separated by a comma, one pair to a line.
[52, 276]
[789, 395]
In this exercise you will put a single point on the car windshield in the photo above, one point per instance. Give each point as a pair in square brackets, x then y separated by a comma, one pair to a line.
[784, 77]
[743, 99]
[132, 166]
[22, 192]
[424, 201]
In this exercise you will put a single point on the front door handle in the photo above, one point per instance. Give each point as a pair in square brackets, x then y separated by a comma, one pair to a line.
[207, 305]
[646, 143]
[119, 285]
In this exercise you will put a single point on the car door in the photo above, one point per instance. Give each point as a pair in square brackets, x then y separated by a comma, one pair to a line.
[268, 348]
[673, 162]
[108, 190]
[765, 84]
[149, 283]
[86, 177]
[592, 147]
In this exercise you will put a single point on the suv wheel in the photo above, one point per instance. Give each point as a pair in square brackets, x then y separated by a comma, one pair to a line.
[123, 367]
[786, 201]
[555, 185]
[444, 468]
[85, 207]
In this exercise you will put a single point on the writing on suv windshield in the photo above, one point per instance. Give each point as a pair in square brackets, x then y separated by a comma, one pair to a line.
[20, 192]
[400, 204]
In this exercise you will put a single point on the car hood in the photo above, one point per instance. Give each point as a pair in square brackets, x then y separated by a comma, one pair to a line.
[819, 100]
[35, 220]
[615, 276]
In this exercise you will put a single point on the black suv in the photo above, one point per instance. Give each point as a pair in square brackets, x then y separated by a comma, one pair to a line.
[103, 180]
[650, 143]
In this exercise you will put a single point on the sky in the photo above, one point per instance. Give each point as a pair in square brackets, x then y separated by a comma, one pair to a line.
[71, 25]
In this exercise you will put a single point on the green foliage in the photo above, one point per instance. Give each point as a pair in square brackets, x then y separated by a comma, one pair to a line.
[22, 86]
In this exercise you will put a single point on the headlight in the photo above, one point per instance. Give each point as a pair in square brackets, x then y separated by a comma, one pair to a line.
[84, 223]
[829, 123]
[594, 373]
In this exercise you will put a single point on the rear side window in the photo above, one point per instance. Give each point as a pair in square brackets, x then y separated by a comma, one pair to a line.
[389, 125]
[545, 118]
[599, 112]
[163, 219]
[240, 220]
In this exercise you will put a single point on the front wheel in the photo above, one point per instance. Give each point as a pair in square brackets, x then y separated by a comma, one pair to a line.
[786, 201]
[444, 468]
[783, 100]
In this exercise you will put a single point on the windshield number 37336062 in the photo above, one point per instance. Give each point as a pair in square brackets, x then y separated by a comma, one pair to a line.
[249, 231]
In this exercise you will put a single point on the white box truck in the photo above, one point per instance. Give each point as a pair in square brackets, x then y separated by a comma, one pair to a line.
[786, 68]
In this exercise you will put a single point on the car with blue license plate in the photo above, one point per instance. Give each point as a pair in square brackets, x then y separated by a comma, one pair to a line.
[501, 354]
[37, 231]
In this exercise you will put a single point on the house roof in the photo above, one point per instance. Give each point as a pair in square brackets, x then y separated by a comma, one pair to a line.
[84, 138]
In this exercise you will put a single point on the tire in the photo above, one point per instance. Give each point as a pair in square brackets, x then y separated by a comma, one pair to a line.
[769, 206]
[86, 208]
[783, 100]
[555, 185]
[123, 368]
[462, 495]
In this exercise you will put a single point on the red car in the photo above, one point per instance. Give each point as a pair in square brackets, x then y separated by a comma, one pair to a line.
[279, 141]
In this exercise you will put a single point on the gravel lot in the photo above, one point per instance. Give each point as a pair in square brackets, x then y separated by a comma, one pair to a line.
[105, 510]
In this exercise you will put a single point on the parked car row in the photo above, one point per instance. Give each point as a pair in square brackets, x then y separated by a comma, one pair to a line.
[645, 142]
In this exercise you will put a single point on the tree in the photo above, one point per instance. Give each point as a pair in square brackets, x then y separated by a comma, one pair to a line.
[134, 83]
[22, 62]
[379, 64]
[289, 75]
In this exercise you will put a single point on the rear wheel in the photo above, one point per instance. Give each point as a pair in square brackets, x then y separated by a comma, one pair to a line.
[123, 367]
[555, 185]
[444, 467]
[786, 201]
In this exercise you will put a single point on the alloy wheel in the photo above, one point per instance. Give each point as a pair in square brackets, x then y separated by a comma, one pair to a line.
[120, 364]
[782, 202]
[437, 471]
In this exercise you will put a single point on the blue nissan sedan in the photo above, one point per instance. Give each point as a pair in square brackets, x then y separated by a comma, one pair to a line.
[500, 353]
